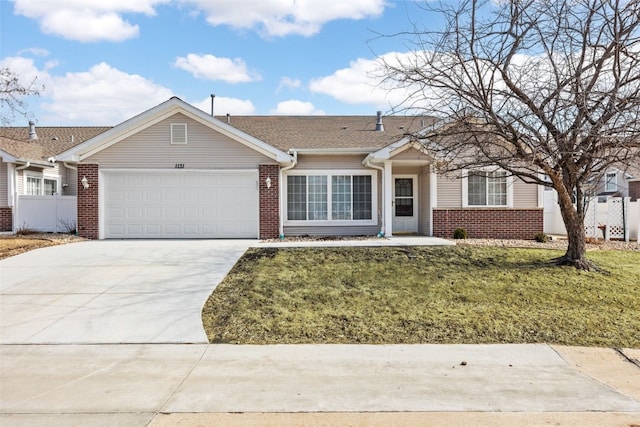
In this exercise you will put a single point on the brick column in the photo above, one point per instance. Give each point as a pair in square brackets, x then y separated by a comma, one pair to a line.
[634, 189]
[269, 201]
[6, 218]
[88, 220]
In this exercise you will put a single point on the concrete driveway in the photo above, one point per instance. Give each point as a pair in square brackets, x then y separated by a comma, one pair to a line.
[109, 292]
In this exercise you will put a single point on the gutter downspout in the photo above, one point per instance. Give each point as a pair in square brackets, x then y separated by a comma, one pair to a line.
[75, 168]
[281, 178]
[368, 164]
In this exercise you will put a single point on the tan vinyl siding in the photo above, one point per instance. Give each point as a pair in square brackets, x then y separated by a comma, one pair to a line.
[405, 170]
[68, 176]
[20, 182]
[369, 230]
[151, 148]
[328, 162]
[4, 184]
[524, 195]
[411, 154]
[449, 192]
[424, 198]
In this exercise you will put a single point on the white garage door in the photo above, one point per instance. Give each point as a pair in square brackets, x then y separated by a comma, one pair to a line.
[180, 204]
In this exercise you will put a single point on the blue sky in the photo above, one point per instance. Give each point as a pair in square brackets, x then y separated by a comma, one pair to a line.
[103, 61]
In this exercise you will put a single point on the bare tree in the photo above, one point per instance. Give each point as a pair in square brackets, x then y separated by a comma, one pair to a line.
[548, 91]
[12, 94]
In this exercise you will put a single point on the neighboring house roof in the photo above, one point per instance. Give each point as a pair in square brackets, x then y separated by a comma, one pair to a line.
[51, 141]
[328, 132]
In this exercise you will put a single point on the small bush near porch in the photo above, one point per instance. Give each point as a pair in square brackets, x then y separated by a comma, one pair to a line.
[426, 295]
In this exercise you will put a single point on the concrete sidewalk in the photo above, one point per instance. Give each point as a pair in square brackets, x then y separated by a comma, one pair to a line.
[203, 384]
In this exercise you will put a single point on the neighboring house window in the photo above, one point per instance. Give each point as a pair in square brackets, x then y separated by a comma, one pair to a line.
[41, 186]
[34, 186]
[611, 182]
[486, 188]
[330, 197]
[50, 187]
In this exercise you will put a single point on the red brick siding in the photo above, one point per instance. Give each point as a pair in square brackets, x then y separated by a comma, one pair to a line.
[88, 220]
[489, 223]
[634, 189]
[6, 219]
[269, 205]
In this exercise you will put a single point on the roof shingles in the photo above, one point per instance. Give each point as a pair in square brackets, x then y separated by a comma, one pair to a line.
[51, 140]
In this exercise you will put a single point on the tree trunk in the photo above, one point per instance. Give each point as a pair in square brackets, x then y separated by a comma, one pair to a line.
[577, 248]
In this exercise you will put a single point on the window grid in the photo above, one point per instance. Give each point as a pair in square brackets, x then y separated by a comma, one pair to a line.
[297, 197]
[487, 188]
[341, 197]
[362, 197]
[309, 197]
[317, 203]
[34, 186]
[611, 181]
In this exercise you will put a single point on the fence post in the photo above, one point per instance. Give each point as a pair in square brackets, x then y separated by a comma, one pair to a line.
[625, 218]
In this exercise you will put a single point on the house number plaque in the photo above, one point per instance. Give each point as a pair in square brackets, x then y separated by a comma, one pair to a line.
[179, 166]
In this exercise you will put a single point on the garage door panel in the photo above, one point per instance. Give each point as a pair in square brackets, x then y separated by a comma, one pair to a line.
[179, 204]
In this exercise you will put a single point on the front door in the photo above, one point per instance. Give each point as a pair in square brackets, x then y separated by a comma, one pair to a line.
[405, 204]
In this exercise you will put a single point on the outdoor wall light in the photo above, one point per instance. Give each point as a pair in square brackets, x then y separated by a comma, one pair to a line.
[85, 182]
[268, 182]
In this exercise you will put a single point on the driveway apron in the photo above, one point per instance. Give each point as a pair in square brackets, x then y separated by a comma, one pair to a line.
[113, 291]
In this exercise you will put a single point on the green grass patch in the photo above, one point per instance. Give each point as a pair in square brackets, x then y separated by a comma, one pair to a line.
[425, 295]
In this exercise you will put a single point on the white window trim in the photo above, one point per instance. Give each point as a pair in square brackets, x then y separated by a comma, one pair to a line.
[329, 174]
[41, 177]
[465, 189]
[615, 181]
[173, 141]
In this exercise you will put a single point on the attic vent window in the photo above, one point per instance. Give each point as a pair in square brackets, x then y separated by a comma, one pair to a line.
[178, 133]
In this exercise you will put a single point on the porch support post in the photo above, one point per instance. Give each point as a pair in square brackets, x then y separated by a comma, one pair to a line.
[387, 199]
[433, 195]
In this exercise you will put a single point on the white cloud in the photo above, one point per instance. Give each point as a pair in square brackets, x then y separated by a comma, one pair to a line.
[209, 67]
[223, 106]
[294, 107]
[26, 70]
[103, 95]
[86, 21]
[35, 51]
[288, 83]
[283, 17]
[361, 83]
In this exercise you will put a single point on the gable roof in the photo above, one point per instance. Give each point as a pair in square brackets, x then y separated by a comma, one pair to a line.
[328, 132]
[158, 113]
[51, 141]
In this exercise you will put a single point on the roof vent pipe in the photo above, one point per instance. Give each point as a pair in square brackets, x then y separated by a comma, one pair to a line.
[379, 125]
[228, 118]
[213, 98]
[32, 130]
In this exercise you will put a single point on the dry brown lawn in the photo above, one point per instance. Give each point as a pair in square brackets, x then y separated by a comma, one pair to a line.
[11, 245]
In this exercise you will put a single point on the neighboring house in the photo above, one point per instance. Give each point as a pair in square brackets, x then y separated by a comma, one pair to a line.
[176, 172]
[619, 183]
[28, 165]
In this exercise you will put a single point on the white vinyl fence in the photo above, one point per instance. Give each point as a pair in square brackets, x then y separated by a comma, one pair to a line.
[56, 214]
[614, 218]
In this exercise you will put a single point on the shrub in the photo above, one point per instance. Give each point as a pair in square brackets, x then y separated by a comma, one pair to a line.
[24, 230]
[68, 226]
[541, 238]
[460, 233]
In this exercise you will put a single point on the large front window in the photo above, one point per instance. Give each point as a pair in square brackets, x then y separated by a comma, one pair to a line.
[330, 197]
[486, 188]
